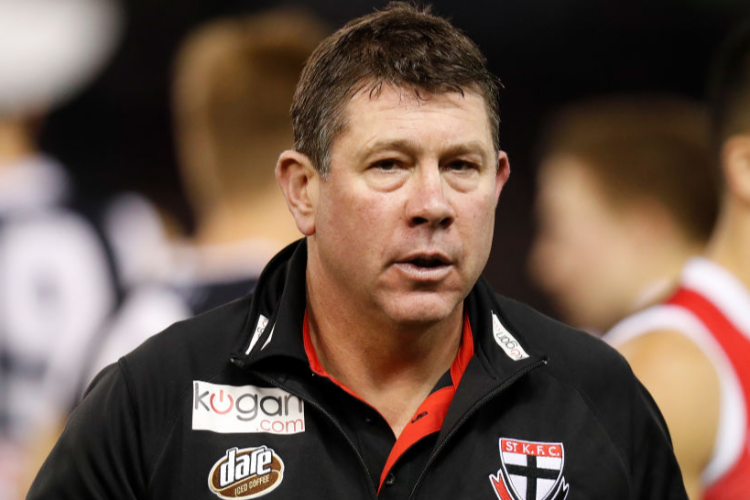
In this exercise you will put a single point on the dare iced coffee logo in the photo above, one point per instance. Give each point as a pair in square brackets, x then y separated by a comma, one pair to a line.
[246, 409]
[246, 473]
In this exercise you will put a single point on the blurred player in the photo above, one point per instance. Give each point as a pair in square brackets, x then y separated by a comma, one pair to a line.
[56, 280]
[233, 87]
[626, 195]
[693, 351]
[233, 84]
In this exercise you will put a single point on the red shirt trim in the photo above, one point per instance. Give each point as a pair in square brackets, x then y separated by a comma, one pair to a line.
[431, 413]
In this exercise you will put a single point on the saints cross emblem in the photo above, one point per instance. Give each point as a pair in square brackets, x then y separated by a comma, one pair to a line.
[530, 470]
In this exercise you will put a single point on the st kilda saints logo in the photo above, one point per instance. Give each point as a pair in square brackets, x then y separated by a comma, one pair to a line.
[530, 471]
[246, 473]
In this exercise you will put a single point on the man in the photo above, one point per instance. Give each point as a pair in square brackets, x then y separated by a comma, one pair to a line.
[371, 361]
[693, 351]
[626, 195]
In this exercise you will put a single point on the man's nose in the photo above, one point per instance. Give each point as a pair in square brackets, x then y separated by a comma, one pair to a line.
[428, 203]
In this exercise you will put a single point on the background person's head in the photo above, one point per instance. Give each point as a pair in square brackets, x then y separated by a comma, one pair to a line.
[49, 52]
[730, 116]
[730, 127]
[234, 79]
[730, 88]
[626, 192]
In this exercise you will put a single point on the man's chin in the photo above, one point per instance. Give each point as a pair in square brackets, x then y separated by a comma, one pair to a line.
[422, 311]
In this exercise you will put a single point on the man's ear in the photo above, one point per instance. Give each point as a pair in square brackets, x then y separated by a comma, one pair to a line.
[299, 180]
[735, 164]
[502, 174]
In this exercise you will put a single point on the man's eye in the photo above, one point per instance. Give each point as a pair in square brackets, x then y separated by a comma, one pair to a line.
[461, 166]
[385, 164]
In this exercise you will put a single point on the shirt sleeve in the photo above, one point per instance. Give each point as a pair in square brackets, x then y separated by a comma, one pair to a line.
[98, 455]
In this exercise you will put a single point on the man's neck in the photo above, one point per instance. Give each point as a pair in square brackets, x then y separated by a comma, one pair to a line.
[392, 368]
[655, 280]
[730, 243]
[263, 217]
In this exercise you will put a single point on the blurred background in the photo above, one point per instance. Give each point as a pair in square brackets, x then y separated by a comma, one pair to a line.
[117, 134]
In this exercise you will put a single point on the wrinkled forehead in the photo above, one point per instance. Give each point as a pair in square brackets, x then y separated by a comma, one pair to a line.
[408, 96]
[373, 89]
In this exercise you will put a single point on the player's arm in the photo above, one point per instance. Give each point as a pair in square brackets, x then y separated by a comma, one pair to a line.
[686, 388]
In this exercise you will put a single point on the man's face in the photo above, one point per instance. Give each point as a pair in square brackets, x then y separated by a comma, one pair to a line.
[403, 223]
[585, 250]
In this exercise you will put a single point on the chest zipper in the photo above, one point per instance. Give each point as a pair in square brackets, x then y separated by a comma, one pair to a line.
[330, 417]
[467, 416]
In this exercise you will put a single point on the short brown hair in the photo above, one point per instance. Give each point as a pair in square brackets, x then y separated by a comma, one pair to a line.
[730, 87]
[403, 46]
[652, 147]
[234, 79]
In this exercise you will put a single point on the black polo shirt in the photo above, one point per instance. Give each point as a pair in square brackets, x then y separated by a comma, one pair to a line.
[394, 463]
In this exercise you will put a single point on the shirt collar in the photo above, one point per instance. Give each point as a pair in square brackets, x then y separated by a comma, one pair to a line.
[277, 316]
[457, 369]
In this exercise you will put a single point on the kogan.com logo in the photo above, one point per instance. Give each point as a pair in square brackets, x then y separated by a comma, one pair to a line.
[506, 341]
[246, 409]
[246, 473]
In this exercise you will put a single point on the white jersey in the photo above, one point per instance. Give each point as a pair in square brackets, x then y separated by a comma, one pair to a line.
[56, 289]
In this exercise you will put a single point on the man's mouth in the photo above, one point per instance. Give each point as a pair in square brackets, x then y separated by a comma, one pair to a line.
[425, 267]
[428, 262]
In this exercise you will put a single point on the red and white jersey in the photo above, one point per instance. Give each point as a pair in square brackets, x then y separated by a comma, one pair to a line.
[712, 308]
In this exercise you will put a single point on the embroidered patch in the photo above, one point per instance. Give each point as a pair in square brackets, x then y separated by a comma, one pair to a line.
[530, 470]
[246, 409]
[506, 341]
[246, 473]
